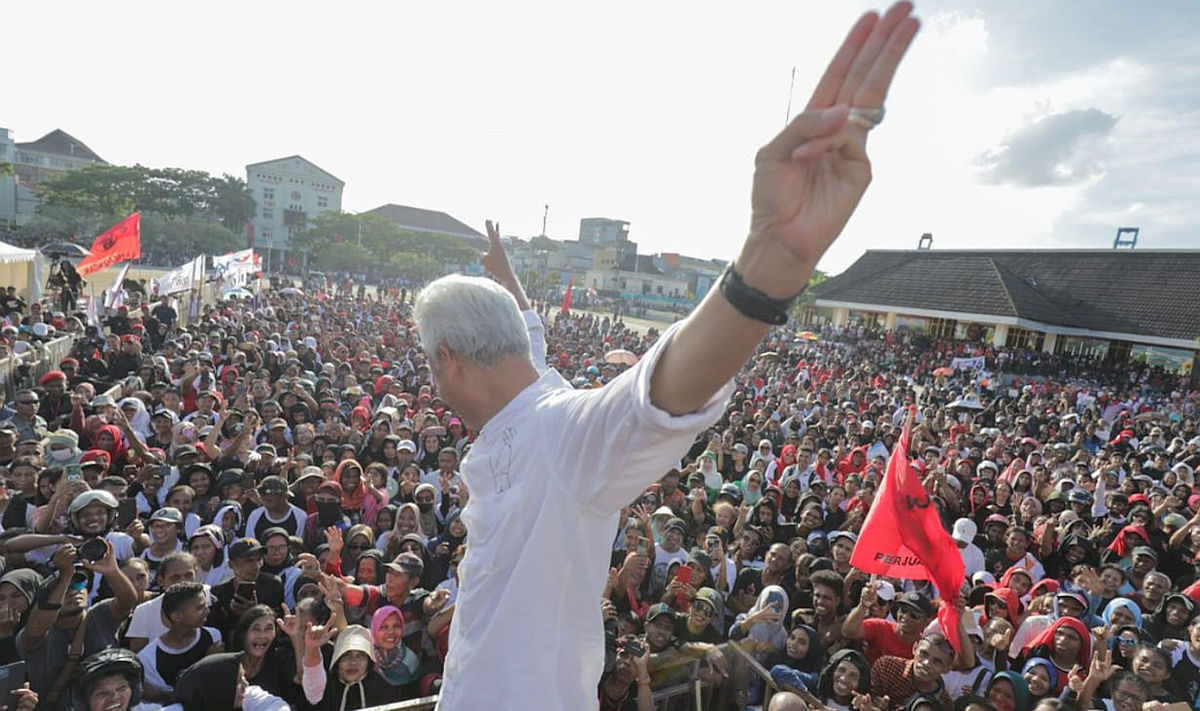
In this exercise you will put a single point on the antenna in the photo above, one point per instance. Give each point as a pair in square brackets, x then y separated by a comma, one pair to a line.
[545, 214]
[791, 89]
[1130, 237]
[926, 241]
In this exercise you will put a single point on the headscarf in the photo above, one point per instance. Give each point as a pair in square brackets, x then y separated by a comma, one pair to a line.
[1009, 596]
[140, 422]
[1019, 686]
[209, 684]
[25, 580]
[352, 500]
[398, 666]
[1050, 669]
[1123, 548]
[1119, 602]
[811, 662]
[750, 498]
[765, 632]
[1045, 640]
[119, 446]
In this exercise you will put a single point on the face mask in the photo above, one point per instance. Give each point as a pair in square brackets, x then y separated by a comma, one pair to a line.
[61, 455]
[425, 507]
[330, 512]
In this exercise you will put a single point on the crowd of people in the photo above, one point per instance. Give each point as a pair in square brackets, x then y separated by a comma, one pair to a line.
[263, 510]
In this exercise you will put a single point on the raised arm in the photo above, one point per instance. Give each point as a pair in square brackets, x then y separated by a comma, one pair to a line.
[807, 182]
[497, 264]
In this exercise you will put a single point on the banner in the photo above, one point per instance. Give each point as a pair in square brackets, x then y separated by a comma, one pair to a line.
[976, 363]
[903, 537]
[181, 278]
[566, 302]
[236, 267]
[121, 243]
[115, 295]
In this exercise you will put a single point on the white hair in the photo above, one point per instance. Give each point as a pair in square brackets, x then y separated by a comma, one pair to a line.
[474, 317]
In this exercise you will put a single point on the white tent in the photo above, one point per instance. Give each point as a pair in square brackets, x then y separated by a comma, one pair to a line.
[21, 268]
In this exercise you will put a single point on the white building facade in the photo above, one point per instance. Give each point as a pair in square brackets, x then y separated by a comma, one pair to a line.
[289, 192]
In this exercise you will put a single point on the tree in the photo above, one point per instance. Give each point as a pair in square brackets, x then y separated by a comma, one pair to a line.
[417, 268]
[343, 257]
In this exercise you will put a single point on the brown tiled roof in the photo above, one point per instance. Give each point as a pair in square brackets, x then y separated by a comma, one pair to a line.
[423, 220]
[1143, 292]
[59, 142]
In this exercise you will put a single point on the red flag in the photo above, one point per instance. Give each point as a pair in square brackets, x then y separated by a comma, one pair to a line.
[903, 537]
[122, 242]
[566, 304]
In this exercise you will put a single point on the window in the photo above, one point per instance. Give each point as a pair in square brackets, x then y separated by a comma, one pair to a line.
[268, 213]
[322, 201]
[268, 235]
[268, 193]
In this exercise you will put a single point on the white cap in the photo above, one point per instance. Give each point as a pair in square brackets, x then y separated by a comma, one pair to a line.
[406, 444]
[663, 511]
[885, 590]
[964, 530]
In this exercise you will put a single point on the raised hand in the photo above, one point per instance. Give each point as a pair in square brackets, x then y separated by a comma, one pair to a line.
[496, 259]
[809, 178]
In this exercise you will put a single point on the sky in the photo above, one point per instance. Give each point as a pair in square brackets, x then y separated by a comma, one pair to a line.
[1009, 125]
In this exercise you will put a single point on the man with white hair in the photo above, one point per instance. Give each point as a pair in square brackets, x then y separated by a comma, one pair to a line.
[552, 466]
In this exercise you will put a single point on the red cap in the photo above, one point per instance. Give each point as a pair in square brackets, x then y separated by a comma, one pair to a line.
[52, 375]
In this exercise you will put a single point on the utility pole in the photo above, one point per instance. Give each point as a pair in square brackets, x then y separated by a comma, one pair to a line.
[545, 214]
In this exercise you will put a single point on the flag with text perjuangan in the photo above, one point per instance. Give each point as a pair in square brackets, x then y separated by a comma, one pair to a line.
[903, 537]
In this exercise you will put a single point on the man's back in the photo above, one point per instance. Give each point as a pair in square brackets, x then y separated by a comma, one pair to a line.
[548, 475]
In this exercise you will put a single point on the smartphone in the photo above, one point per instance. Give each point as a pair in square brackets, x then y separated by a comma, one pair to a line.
[12, 677]
[74, 472]
[683, 575]
[247, 591]
[126, 512]
[643, 547]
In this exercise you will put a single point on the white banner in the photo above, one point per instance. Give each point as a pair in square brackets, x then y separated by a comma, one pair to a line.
[236, 267]
[115, 295]
[976, 363]
[181, 278]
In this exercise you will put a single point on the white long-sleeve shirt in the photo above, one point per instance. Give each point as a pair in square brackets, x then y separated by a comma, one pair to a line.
[548, 476]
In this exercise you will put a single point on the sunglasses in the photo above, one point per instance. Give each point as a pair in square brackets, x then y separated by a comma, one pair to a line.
[27, 402]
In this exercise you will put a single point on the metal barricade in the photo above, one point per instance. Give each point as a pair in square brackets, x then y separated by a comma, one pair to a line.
[18, 372]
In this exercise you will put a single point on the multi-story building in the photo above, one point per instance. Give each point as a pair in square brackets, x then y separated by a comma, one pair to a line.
[33, 163]
[602, 231]
[289, 191]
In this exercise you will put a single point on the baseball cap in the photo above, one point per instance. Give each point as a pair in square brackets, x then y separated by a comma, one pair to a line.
[409, 563]
[677, 524]
[272, 485]
[885, 591]
[1145, 550]
[964, 530]
[834, 535]
[710, 597]
[406, 444]
[663, 511]
[170, 514]
[657, 610]
[244, 548]
[917, 603]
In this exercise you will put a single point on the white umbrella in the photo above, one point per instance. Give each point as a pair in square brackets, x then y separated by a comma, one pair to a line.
[967, 403]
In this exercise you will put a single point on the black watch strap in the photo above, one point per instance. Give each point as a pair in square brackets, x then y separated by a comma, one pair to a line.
[751, 302]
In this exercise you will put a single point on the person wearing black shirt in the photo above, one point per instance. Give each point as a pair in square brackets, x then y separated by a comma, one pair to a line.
[249, 586]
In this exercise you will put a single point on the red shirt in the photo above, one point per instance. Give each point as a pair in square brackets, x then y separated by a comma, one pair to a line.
[881, 640]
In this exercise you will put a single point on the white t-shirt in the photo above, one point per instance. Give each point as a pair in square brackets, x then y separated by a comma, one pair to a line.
[147, 622]
[548, 476]
[973, 561]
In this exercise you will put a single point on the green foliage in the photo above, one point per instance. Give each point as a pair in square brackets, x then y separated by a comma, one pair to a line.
[334, 240]
[417, 267]
[174, 193]
[6, 169]
[159, 233]
[807, 297]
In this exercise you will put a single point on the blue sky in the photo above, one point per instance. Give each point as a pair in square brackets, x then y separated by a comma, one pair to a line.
[1010, 125]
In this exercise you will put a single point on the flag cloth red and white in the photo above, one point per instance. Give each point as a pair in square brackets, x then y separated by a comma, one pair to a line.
[120, 243]
[902, 536]
[566, 304]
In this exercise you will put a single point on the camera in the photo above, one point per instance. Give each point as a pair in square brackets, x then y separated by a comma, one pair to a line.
[93, 549]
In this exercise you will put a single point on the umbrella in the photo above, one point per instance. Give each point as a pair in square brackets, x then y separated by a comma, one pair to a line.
[967, 404]
[944, 371]
[620, 356]
[291, 291]
[807, 336]
[70, 250]
[770, 356]
[236, 293]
